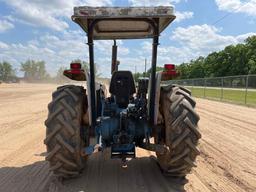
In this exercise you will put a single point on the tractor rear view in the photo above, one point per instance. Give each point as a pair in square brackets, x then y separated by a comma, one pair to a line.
[82, 121]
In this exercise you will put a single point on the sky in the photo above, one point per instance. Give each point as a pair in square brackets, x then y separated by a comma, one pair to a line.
[43, 30]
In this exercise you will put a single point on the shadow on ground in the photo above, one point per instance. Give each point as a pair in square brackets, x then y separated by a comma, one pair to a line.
[34, 177]
[100, 174]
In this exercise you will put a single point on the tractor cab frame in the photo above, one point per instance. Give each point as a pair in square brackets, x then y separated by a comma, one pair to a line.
[103, 23]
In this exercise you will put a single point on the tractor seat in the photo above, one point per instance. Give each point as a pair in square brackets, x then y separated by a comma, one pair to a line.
[122, 86]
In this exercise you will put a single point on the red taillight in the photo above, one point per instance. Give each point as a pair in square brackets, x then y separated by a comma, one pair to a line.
[75, 65]
[169, 72]
[169, 67]
[75, 72]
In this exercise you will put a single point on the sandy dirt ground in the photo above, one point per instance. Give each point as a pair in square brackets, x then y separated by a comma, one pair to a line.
[227, 161]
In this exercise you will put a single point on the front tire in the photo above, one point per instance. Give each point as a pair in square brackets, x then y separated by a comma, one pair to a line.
[65, 127]
[181, 132]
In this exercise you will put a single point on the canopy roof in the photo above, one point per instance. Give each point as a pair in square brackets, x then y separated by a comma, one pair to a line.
[124, 22]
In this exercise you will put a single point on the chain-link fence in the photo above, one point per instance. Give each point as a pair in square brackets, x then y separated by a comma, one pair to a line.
[238, 89]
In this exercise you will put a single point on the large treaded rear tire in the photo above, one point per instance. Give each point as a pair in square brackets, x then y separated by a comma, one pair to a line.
[181, 132]
[64, 131]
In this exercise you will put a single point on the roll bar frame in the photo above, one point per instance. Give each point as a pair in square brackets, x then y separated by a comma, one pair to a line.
[154, 23]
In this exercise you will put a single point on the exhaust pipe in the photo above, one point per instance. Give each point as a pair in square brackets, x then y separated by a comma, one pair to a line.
[114, 58]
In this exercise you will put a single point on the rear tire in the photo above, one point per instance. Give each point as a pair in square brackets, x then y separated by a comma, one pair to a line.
[66, 132]
[180, 135]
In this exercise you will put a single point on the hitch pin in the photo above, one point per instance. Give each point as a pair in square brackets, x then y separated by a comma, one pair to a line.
[124, 163]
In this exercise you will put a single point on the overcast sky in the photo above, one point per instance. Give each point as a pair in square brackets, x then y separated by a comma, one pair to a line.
[42, 30]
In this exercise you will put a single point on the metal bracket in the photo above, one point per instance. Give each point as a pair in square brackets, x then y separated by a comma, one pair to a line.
[91, 149]
[161, 149]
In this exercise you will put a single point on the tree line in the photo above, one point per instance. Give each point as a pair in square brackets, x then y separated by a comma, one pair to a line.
[35, 71]
[237, 59]
[234, 60]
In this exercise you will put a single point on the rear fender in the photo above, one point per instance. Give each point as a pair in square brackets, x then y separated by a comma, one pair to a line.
[157, 96]
[98, 86]
[88, 88]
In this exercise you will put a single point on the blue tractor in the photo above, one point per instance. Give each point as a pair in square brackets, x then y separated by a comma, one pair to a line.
[82, 120]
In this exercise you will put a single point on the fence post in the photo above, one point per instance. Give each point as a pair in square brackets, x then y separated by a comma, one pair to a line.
[192, 86]
[204, 86]
[222, 88]
[246, 89]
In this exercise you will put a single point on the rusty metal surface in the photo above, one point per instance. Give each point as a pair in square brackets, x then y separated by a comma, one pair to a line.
[123, 11]
[123, 22]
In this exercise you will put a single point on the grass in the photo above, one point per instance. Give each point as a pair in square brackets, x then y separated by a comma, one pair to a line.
[236, 96]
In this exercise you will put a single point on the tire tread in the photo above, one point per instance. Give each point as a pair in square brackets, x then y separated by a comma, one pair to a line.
[63, 126]
[181, 131]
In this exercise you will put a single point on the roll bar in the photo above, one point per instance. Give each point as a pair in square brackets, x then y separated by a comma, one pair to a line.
[123, 23]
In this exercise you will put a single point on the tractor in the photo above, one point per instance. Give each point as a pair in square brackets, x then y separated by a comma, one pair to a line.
[151, 114]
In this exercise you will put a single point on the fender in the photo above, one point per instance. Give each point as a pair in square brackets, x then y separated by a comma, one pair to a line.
[157, 96]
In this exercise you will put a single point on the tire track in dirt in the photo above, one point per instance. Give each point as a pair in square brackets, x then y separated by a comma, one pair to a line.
[228, 146]
[234, 137]
[231, 111]
[234, 131]
[230, 118]
[19, 124]
[224, 166]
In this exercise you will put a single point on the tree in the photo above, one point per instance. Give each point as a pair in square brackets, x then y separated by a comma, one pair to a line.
[42, 74]
[251, 54]
[34, 70]
[252, 66]
[237, 59]
[197, 68]
[7, 73]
